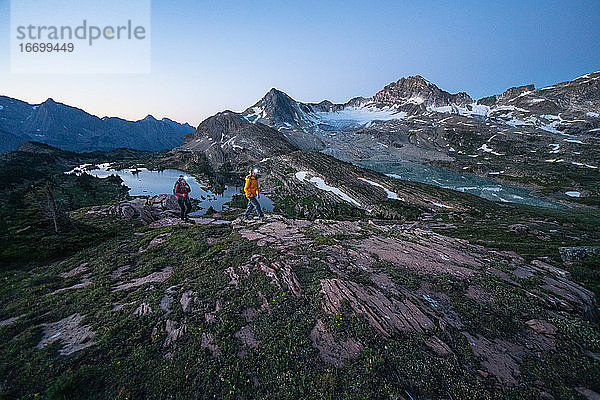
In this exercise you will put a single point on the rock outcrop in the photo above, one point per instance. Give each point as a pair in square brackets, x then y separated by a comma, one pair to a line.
[336, 295]
[147, 210]
[70, 333]
[392, 309]
[383, 313]
[333, 351]
[578, 253]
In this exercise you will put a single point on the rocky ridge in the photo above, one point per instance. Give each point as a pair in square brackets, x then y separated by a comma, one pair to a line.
[358, 284]
[229, 138]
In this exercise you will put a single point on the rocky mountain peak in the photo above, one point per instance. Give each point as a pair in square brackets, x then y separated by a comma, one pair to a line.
[518, 90]
[228, 137]
[48, 104]
[356, 101]
[274, 93]
[275, 108]
[415, 80]
[276, 97]
[507, 95]
[217, 127]
[409, 87]
[418, 90]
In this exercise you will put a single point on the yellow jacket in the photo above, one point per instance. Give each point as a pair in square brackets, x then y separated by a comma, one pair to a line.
[251, 187]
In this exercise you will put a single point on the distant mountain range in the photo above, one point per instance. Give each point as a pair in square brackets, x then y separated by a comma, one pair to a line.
[414, 119]
[548, 137]
[71, 128]
[559, 108]
[542, 138]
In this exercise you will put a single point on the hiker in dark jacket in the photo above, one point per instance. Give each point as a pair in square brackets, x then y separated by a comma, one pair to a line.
[182, 191]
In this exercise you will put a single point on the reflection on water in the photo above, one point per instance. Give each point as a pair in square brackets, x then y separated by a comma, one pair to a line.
[217, 201]
[143, 182]
[483, 187]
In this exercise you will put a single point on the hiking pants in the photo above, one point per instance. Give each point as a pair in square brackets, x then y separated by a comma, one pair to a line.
[185, 205]
[253, 203]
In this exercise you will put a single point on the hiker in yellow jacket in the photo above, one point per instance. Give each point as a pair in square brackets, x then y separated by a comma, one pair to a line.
[252, 194]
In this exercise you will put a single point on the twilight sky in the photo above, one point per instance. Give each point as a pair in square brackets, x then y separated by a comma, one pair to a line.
[211, 56]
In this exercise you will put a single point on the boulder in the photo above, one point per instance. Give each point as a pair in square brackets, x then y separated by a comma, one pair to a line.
[578, 253]
[146, 209]
[188, 299]
[332, 350]
[174, 331]
[143, 309]
[69, 331]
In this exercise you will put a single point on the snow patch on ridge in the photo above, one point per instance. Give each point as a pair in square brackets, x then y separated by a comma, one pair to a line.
[390, 194]
[320, 183]
[580, 164]
[484, 147]
[438, 204]
[257, 113]
[555, 148]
